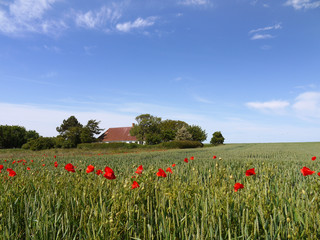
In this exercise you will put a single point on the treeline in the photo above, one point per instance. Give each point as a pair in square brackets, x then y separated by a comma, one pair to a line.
[149, 130]
[153, 130]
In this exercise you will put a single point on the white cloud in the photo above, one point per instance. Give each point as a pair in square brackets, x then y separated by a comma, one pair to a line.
[202, 100]
[276, 106]
[274, 27]
[307, 105]
[99, 18]
[137, 24]
[300, 4]
[195, 2]
[261, 36]
[23, 16]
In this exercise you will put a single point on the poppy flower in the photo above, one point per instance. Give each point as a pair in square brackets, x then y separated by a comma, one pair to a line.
[192, 158]
[214, 157]
[1, 167]
[250, 172]
[161, 173]
[169, 170]
[56, 165]
[319, 174]
[90, 169]
[54, 156]
[313, 158]
[69, 167]
[109, 174]
[43, 165]
[238, 186]
[186, 160]
[9, 169]
[135, 185]
[306, 171]
[139, 170]
[12, 173]
[98, 172]
[173, 165]
[31, 160]
[28, 168]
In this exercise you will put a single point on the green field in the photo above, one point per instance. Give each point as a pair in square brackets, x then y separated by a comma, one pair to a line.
[196, 201]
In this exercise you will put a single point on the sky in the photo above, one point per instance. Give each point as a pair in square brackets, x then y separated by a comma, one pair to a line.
[247, 68]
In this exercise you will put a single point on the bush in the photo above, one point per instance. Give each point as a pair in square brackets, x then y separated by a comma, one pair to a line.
[181, 144]
[217, 138]
[40, 143]
[114, 145]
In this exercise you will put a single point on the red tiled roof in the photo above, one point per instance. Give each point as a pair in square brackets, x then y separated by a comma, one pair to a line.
[117, 135]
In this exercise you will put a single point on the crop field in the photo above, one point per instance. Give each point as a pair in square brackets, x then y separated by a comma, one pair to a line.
[50, 195]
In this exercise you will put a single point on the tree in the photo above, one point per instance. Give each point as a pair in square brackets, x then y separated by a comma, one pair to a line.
[169, 129]
[197, 133]
[217, 138]
[67, 124]
[147, 129]
[73, 132]
[183, 134]
[15, 136]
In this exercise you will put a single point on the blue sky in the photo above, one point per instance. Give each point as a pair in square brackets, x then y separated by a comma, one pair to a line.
[247, 68]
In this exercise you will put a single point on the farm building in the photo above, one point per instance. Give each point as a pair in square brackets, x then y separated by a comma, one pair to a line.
[120, 134]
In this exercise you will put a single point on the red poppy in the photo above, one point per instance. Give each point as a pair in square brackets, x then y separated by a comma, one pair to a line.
[161, 173]
[90, 169]
[14, 162]
[313, 158]
[134, 177]
[54, 156]
[250, 172]
[9, 169]
[135, 185]
[109, 174]
[69, 167]
[139, 169]
[186, 160]
[1, 167]
[43, 165]
[306, 171]
[31, 160]
[214, 157]
[12, 173]
[56, 165]
[319, 174]
[173, 165]
[192, 158]
[28, 168]
[169, 170]
[98, 172]
[238, 186]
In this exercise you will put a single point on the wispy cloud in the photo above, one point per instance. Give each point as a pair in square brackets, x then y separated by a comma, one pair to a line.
[302, 4]
[139, 23]
[274, 27]
[307, 105]
[275, 106]
[202, 100]
[196, 2]
[258, 34]
[261, 36]
[21, 16]
[99, 18]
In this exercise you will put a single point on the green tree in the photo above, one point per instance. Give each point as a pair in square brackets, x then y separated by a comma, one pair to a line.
[217, 138]
[67, 124]
[147, 129]
[89, 131]
[197, 133]
[15, 136]
[169, 129]
[183, 134]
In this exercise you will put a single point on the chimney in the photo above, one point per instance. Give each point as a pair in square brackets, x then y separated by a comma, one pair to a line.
[132, 124]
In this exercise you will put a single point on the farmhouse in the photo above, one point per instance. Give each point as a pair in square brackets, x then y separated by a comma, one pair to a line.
[120, 134]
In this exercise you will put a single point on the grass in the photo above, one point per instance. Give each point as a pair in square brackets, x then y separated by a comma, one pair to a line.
[197, 201]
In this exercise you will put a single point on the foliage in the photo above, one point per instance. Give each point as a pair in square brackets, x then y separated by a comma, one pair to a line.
[181, 144]
[147, 129]
[73, 132]
[183, 134]
[197, 133]
[104, 146]
[169, 129]
[217, 138]
[15, 136]
[40, 143]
